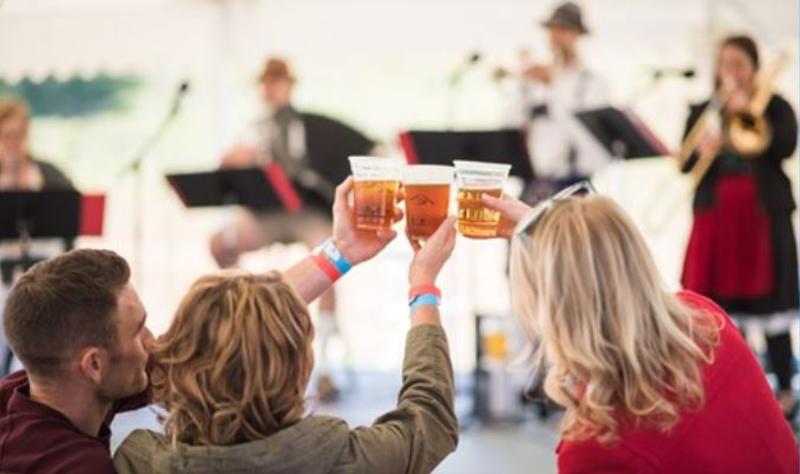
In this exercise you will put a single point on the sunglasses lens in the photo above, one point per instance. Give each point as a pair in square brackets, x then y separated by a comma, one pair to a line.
[582, 188]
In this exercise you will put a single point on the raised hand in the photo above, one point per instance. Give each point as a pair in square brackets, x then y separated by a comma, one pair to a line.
[356, 245]
[511, 211]
[430, 258]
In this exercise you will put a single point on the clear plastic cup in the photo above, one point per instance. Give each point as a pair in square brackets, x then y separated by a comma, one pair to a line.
[376, 182]
[427, 190]
[476, 178]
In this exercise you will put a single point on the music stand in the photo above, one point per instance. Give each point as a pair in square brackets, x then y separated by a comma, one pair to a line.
[39, 214]
[25, 215]
[256, 188]
[622, 133]
[494, 146]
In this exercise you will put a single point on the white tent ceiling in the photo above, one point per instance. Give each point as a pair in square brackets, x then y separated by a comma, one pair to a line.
[62, 38]
[66, 37]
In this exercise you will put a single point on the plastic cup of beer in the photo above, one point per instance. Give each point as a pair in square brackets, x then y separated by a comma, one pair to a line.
[427, 189]
[376, 182]
[476, 178]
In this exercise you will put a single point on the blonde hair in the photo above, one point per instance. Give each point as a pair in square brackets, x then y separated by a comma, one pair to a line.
[234, 365]
[619, 347]
[13, 108]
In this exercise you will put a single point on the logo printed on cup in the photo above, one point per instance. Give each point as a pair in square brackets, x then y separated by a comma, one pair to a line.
[427, 189]
[376, 182]
[475, 179]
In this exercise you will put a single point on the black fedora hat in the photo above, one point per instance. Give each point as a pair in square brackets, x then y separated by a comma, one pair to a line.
[567, 15]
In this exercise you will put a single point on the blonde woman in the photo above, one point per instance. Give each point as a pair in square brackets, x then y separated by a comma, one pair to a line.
[652, 381]
[18, 169]
[231, 373]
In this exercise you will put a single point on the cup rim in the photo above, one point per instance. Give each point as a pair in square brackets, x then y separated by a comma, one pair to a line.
[438, 174]
[470, 165]
[373, 160]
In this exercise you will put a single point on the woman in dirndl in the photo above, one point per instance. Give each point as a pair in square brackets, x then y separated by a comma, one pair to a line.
[742, 251]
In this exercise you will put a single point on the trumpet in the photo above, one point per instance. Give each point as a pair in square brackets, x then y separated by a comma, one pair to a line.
[746, 133]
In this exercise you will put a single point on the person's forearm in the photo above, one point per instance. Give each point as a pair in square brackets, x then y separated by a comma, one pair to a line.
[427, 314]
[428, 393]
[307, 279]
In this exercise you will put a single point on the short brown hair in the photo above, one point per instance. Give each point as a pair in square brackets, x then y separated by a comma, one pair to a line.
[13, 108]
[234, 365]
[62, 305]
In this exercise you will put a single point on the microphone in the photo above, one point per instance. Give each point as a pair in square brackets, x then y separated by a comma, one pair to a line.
[471, 60]
[152, 140]
[687, 73]
[177, 100]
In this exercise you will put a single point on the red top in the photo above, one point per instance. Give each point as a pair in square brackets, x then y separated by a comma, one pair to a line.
[740, 428]
[36, 438]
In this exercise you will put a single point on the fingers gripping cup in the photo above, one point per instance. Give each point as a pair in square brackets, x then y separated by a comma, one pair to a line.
[376, 182]
[427, 189]
[475, 179]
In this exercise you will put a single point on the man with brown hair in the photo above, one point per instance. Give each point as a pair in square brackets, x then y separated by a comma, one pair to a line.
[78, 327]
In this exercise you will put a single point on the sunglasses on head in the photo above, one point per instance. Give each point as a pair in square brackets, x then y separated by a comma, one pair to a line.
[581, 188]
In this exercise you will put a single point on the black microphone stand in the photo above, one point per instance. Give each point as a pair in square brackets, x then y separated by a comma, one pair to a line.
[135, 167]
[453, 85]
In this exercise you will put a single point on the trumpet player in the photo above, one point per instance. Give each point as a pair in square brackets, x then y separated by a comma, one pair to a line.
[742, 251]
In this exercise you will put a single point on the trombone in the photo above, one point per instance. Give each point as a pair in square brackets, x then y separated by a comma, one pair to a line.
[747, 133]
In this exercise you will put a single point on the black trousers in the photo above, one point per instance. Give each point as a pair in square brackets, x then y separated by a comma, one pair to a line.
[781, 359]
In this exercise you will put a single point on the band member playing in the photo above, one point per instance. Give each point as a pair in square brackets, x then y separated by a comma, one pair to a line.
[19, 171]
[742, 250]
[561, 150]
[313, 152]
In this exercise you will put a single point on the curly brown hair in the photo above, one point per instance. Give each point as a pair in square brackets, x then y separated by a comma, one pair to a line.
[234, 365]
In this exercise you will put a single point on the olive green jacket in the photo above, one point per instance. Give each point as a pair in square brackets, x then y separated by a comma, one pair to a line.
[412, 438]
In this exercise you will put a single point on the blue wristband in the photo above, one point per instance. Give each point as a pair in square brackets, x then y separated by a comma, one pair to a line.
[335, 257]
[424, 299]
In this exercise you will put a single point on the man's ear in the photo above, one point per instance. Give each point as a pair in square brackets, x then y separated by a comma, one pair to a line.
[93, 363]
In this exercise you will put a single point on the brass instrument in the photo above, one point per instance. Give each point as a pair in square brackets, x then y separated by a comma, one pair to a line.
[747, 134]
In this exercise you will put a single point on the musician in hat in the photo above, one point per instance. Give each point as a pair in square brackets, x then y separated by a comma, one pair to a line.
[312, 150]
[545, 101]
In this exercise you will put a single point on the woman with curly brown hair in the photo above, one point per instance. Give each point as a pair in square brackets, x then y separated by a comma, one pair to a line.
[652, 381]
[232, 370]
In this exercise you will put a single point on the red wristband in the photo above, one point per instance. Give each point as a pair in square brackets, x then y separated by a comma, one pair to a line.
[326, 266]
[421, 289]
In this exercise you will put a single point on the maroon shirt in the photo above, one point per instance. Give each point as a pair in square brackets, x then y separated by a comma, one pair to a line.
[36, 438]
[739, 429]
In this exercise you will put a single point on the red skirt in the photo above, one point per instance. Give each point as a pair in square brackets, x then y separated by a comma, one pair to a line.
[730, 255]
